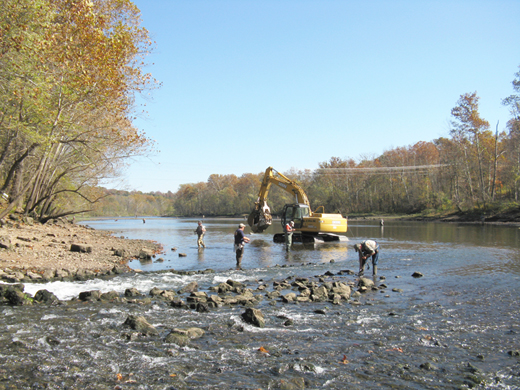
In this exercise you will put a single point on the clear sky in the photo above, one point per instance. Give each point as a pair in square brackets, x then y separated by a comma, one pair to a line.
[248, 84]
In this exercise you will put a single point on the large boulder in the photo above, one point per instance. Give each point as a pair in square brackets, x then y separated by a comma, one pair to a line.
[46, 297]
[254, 317]
[17, 298]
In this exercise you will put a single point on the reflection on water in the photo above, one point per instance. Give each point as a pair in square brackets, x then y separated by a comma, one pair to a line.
[436, 248]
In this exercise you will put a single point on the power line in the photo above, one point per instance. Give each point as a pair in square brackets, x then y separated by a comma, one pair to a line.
[418, 169]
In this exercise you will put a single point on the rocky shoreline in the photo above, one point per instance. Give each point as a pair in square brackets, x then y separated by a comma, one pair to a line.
[63, 250]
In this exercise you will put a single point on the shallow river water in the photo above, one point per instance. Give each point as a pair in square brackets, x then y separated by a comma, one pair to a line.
[456, 327]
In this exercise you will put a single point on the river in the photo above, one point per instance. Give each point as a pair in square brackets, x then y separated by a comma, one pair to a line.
[456, 327]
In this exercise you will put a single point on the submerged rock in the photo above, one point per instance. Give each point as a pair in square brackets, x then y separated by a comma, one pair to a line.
[182, 337]
[140, 324]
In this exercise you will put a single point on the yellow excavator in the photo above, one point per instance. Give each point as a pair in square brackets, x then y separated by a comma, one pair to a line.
[310, 226]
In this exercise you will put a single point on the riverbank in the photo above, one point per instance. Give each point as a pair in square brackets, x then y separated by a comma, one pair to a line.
[508, 217]
[61, 249]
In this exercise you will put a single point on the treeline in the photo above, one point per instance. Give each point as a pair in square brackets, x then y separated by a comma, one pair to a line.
[474, 168]
[69, 71]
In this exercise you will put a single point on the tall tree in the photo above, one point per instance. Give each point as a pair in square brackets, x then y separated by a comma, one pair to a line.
[468, 128]
[69, 70]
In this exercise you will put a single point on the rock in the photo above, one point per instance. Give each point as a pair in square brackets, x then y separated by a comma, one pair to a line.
[109, 296]
[273, 294]
[202, 307]
[33, 276]
[254, 317]
[182, 337]
[190, 287]
[146, 254]
[428, 366]
[223, 288]
[417, 275]
[140, 324]
[61, 273]
[120, 252]
[215, 299]
[46, 297]
[365, 282]
[16, 297]
[292, 384]
[159, 260]
[6, 287]
[5, 242]
[167, 295]
[513, 353]
[175, 338]
[290, 297]
[132, 292]
[342, 289]
[82, 248]
[182, 255]
[48, 274]
[52, 341]
[93, 295]
[235, 285]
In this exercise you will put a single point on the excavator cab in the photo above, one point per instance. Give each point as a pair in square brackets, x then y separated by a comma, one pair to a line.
[295, 213]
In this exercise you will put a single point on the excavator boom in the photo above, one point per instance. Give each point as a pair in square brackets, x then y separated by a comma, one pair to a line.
[306, 221]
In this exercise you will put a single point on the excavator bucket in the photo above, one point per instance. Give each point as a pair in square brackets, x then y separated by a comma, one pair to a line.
[260, 218]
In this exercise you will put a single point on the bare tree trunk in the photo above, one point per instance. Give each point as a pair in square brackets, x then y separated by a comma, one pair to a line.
[495, 163]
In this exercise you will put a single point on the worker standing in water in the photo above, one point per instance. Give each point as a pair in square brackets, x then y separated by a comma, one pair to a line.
[289, 230]
[240, 241]
[200, 235]
[366, 249]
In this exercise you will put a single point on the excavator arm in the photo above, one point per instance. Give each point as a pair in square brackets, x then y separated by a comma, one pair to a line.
[260, 218]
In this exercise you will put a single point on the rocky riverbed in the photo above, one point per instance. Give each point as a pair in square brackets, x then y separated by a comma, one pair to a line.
[63, 250]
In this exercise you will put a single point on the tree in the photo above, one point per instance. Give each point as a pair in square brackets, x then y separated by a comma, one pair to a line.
[513, 137]
[68, 74]
[468, 129]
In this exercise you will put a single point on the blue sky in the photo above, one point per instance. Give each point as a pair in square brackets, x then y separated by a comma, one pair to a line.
[248, 84]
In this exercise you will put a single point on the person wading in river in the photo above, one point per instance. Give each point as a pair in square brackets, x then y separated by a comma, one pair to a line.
[200, 235]
[366, 249]
[240, 241]
[289, 230]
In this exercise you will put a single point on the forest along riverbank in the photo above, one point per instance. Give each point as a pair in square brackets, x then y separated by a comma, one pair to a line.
[63, 250]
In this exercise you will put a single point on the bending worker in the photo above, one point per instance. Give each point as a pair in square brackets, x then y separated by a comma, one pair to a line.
[365, 249]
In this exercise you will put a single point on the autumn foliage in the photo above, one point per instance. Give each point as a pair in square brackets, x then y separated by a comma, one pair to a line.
[69, 72]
